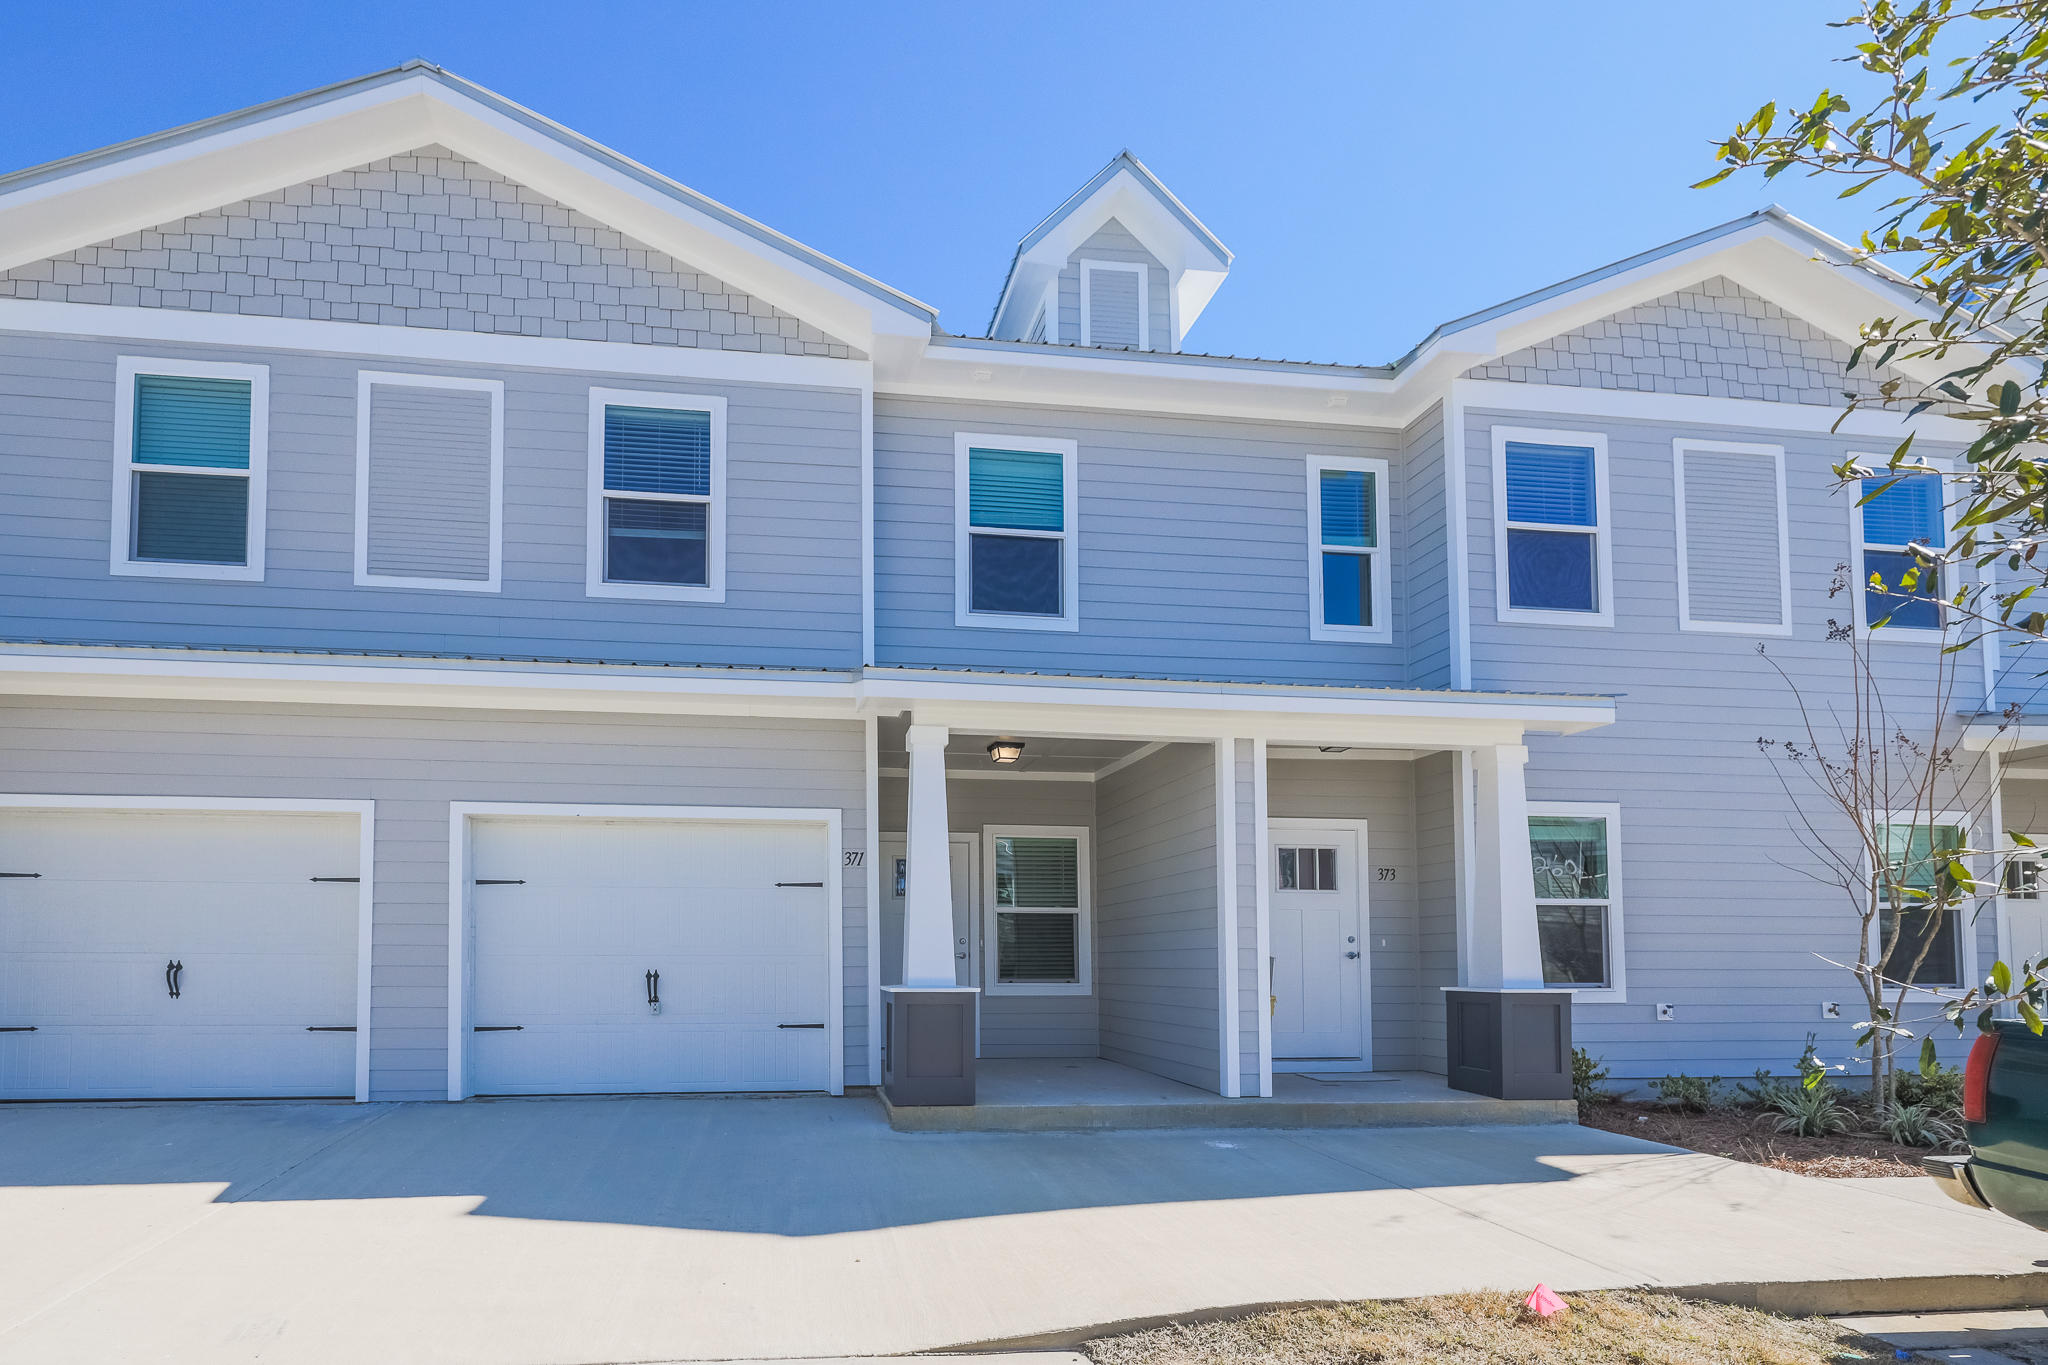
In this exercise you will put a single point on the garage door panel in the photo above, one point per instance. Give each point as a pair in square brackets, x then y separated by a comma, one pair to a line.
[564, 956]
[266, 953]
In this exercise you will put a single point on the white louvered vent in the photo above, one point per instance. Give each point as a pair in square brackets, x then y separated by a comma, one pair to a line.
[1733, 574]
[427, 485]
[1114, 315]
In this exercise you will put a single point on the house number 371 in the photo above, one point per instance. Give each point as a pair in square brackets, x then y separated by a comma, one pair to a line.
[1386, 874]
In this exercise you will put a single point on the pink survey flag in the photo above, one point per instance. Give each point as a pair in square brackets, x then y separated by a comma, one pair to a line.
[1544, 1302]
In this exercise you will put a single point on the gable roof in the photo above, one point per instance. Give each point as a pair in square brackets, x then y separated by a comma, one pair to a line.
[46, 210]
[1126, 189]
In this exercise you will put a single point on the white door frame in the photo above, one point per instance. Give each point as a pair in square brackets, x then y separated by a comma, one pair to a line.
[1276, 828]
[460, 908]
[365, 813]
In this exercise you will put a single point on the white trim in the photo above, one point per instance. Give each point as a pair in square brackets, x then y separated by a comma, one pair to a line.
[1602, 529]
[1615, 992]
[867, 529]
[1963, 924]
[1144, 274]
[871, 794]
[1380, 554]
[1226, 917]
[365, 381]
[1070, 538]
[2001, 846]
[1679, 409]
[594, 581]
[121, 542]
[365, 813]
[1362, 893]
[386, 342]
[1879, 467]
[999, 775]
[460, 882]
[1776, 455]
[1456, 515]
[1262, 885]
[1464, 848]
[1137, 755]
[1084, 926]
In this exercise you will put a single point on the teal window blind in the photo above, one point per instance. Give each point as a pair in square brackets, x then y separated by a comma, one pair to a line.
[183, 423]
[1016, 490]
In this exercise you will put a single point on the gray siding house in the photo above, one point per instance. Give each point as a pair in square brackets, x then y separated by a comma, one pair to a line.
[478, 617]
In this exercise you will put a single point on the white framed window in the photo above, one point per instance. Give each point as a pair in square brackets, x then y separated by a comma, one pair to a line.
[657, 496]
[1574, 857]
[191, 469]
[1918, 848]
[1894, 512]
[1016, 533]
[430, 481]
[1734, 538]
[1115, 308]
[1350, 574]
[1552, 528]
[1039, 922]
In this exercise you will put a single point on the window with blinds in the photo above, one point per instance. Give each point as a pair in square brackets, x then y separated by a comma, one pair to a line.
[428, 482]
[188, 497]
[1551, 527]
[1734, 569]
[656, 503]
[1016, 534]
[1349, 570]
[1040, 911]
[1901, 591]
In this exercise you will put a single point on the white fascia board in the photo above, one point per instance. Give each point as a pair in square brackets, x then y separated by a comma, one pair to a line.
[1563, 400]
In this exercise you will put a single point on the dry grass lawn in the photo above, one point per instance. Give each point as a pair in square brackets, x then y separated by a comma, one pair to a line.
[1491, 1329]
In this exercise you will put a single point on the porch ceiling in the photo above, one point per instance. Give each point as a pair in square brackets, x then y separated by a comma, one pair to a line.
[968, 753]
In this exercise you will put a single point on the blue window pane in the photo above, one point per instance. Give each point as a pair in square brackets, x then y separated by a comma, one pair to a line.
[1895, 606]
[192, 518]
[654, 542]
[1018, 490]
[1551, 484]
[1347, 589]
[1907, 512]
[203, 423]
[657, 450]
[1551, 571]
[1019, 575]
[1348, 513]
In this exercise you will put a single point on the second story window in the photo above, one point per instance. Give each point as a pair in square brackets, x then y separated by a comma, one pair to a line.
[1551, 527]
[1901, 511]
[1350, 588]
[657, 503]
[1016, 544]
[189, 469]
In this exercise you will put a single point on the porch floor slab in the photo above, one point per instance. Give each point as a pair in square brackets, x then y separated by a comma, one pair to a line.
[1014, 1095]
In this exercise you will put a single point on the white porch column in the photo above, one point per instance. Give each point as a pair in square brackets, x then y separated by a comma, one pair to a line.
[928, 874]
[1504, 952]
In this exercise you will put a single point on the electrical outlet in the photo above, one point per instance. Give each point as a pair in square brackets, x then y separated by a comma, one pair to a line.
[1830, 1010]
[1667, 1013]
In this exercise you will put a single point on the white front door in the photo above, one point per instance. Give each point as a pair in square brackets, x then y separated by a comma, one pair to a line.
[965, 851]
[620, 956]
[1318, 941]
[2026, 908]
[177, 954]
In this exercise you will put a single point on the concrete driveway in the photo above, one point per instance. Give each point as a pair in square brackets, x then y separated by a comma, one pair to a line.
[541, 1232]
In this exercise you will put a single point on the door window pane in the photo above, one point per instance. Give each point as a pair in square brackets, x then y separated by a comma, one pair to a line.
[1308, 869]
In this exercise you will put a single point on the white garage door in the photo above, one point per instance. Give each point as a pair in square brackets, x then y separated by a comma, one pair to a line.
[628, 956]
[176, 954]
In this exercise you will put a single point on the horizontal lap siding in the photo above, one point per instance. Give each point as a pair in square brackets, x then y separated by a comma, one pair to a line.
[1382, 795]
[1422, 552]
[1436, 899]
[1011, 1025]
[792, 519]
[1157, 952]
[413, 763]
[1193, 555]
[1718, 918]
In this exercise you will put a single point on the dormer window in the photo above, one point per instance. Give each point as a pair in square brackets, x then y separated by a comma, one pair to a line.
[1114, 307]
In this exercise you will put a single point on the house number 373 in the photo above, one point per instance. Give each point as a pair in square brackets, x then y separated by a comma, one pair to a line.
[1386, 874]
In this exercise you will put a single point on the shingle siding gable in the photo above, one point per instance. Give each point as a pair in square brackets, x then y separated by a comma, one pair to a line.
[1715, 339]
[427, 239]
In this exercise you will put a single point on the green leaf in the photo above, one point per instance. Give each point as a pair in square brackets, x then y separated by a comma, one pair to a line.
[1929, 1063]
[2031, 1015]
[2001, 978]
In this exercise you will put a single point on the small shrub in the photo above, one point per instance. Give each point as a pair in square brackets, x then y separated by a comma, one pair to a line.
[1940, 1093]
[1815, 1112]
[1766, 1091]
[1588, 1078]
[1693, 1094]
[1919, 1125]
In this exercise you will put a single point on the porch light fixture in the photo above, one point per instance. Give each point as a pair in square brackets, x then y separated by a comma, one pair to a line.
[1005, 751]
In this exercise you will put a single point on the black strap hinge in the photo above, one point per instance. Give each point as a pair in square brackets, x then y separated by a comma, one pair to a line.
[799, 1026]
[22, 875]
[19, 1028]
[501, 881]
[334, 879]
[497, 1028]
[330, 1028]
[799, 883]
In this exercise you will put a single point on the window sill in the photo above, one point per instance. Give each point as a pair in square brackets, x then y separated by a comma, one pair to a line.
[372, 580]
[990, 620]
[1351, 635]
[1529, 616]
[654, 592]
[1750, 628]
[219, 573]
[1594, 995]
[1014, 988]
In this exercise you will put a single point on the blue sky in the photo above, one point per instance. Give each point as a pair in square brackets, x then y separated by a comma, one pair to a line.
[1376, 168]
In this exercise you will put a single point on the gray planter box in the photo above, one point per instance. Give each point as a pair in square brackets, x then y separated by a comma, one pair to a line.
[1510, 1044]
[928, 1045]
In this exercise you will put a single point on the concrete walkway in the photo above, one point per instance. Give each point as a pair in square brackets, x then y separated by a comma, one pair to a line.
[554, 1231]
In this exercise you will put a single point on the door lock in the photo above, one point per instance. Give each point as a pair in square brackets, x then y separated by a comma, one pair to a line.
[653, 991]
[1352, 954]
